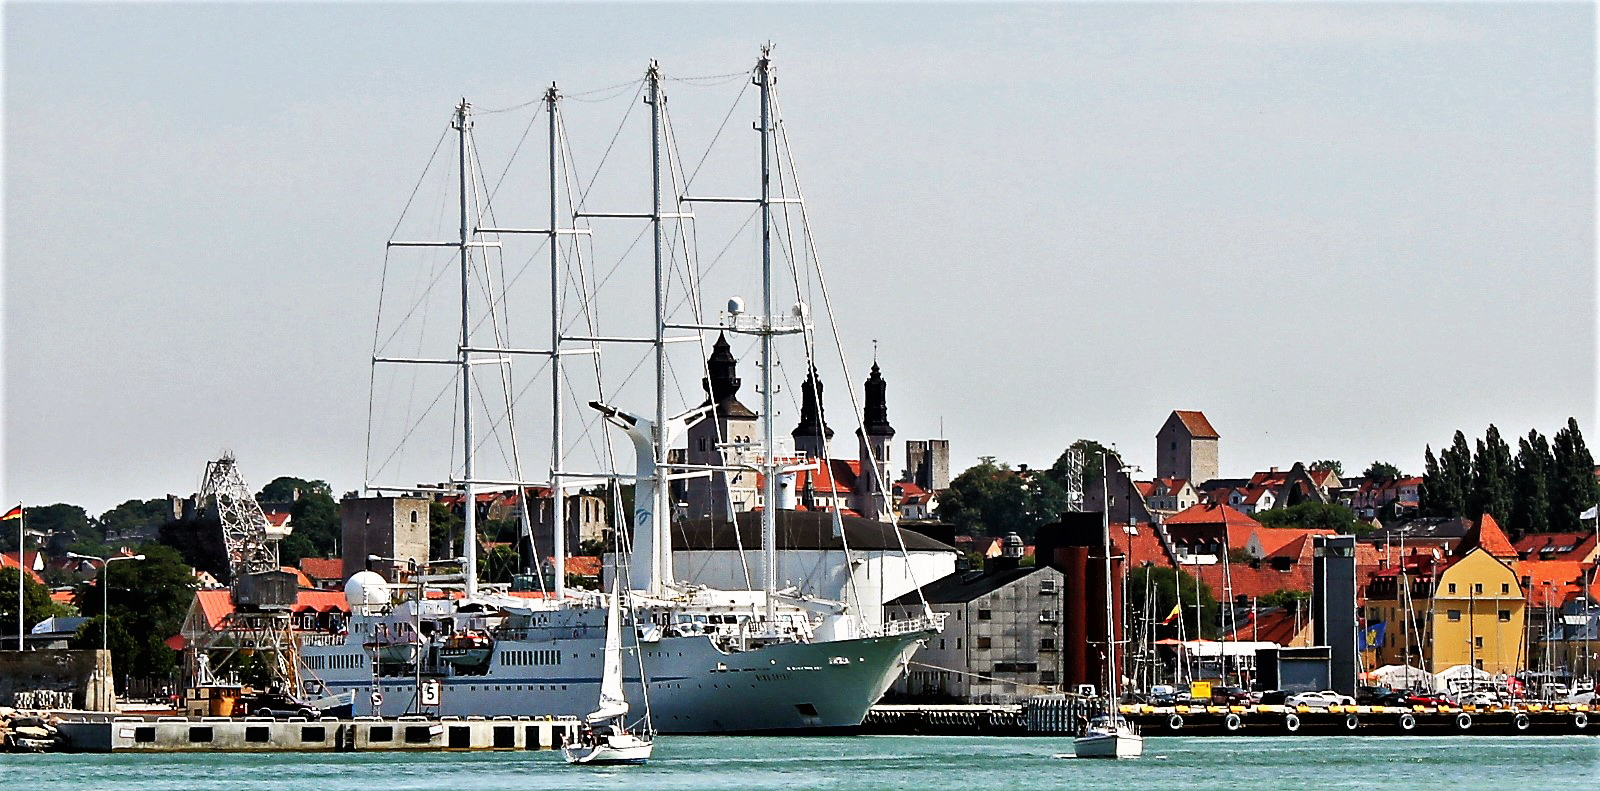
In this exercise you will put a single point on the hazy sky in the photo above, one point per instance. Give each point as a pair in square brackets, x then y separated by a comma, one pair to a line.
[1340, 230]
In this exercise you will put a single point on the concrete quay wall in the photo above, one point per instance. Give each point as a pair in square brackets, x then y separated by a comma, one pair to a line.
[212, 734]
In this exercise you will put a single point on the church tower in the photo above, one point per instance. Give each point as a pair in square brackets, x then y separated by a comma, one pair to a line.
[812, 435]
[730, 421]
[873, 495]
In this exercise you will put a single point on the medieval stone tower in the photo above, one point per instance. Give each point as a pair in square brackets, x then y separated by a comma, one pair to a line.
[1186, 447]
[731, 421]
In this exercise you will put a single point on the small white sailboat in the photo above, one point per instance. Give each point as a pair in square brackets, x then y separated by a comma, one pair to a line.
[604, 738]
[1110, 735]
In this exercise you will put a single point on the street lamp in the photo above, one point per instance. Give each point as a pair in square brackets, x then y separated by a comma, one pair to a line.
[105, 589]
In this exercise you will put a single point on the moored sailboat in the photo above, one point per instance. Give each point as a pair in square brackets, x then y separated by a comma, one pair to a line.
[604, 738]
[1109, 735]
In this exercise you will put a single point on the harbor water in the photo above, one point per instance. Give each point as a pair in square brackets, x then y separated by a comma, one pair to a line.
[706, 763]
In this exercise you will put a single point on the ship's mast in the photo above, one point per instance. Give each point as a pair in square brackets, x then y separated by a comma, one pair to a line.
[558, 514]
[1111, 622]
[661, 568]
[769, 466]
[462, 124]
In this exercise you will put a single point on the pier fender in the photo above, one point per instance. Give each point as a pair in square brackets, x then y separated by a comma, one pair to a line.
[1175, 722]
[1408, 721]
[1351, 722]
[1521, 721]
[1463, 721]
[1232, 722]
[1291, 722]
[1580, 720]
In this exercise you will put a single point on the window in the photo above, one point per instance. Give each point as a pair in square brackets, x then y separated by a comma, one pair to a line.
[983, 642]
[958, 644]
[1477, 587]
[983, 615]
[1047, 586]
[1454, 615]
[413, 517]
[1477, 642]
[1505, 587]
[1505, 616]
[1047, 677]
[1452, 587]
[1047, 616]
[1047, 644]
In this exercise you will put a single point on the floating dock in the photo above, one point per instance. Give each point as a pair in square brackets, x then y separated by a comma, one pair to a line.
[1063, 717]
[297, 734]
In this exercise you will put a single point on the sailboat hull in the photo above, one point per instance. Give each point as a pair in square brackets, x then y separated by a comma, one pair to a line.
[1108, 745]
[624, 749]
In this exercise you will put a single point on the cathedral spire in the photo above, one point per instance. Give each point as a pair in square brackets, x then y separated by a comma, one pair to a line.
[721, 382]
[876, 413]
[810, 437]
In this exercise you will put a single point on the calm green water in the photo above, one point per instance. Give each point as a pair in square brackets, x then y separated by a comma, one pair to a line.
[923, 763]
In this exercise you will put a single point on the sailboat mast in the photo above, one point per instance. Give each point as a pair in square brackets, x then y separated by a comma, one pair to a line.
[769, 493]
[661, 567]
[1111, 624]
[462, 124]
[558, 522]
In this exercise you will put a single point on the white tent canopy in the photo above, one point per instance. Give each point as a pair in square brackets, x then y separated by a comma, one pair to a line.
[1463, 677]
[1404, 677]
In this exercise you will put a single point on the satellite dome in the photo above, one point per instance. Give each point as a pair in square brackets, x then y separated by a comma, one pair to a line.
[365, 592]
[736, 305]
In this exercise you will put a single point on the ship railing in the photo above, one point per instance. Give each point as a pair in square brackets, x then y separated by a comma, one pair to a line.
[920, 623]
[324, 640]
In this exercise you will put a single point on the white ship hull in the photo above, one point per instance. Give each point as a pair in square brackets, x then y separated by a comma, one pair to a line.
[1120, 742]
[621, 749]
[693, 686]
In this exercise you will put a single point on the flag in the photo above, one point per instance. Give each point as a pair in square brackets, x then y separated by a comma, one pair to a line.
[15, 513]
[1593, 511]
[1172, 615]
[1372, 636]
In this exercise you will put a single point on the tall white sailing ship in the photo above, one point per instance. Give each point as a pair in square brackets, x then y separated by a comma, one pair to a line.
[763, 659]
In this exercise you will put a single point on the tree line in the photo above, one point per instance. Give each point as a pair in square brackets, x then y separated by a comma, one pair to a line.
[1543, 488]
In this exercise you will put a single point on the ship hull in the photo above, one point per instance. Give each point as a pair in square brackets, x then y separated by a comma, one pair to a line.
[692, 686]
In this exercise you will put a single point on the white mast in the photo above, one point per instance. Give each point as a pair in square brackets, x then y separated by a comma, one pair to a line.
[769, 467]
[469, 493]
[1111, 623]
[558, 514]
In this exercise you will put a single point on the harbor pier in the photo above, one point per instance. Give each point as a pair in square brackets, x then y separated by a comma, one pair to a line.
[298, 734]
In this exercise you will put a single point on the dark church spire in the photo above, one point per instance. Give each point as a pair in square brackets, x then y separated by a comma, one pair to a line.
[809, 436]
[876, 414]
[722, 381]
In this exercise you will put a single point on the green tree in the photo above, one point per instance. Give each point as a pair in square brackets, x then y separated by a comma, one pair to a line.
[1092, 452]
[1492, 478]
[1287, 599]
[1162, 583]
[1382, 471]
[148, 600]
[287, 489]
[1573, 488]
[1329, 464]
[1530, 508]
[315, 519]
[499, 565]
[444, 531]
[135, 516]
[987, 498]
[36, 604]
[1447, 481]
[60, 525]
[1314, 515]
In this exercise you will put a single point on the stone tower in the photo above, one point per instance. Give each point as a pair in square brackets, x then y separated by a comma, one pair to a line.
[730, 421]
[1186, 447]
[873, 498]
[812, 435]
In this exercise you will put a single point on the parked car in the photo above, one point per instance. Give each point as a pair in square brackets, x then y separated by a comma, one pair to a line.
[1379, 696]
[1230, 696]
[1273, 697]
[1478, 698]
[1320, 700]
[1428, 699]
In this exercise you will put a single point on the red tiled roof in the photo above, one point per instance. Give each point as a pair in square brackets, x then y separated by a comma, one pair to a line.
[908, 489]
[276, 518]
[216, 604]
[1560, 546]
[9, 560]
[1196, 423]
[300, 578]
[582, 565]
[1559, 580]
[323, 568]
[1276, 625]
[1145, 488]
[1487, 535]
[61, 597]
[1211, 514]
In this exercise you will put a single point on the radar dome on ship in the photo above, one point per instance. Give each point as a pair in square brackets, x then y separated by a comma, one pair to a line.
[365, 592]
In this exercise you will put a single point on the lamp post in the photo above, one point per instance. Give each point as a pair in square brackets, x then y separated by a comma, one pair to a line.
[105, 589]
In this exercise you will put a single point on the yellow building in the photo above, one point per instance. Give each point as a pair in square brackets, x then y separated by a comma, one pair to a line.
[1467, 609]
